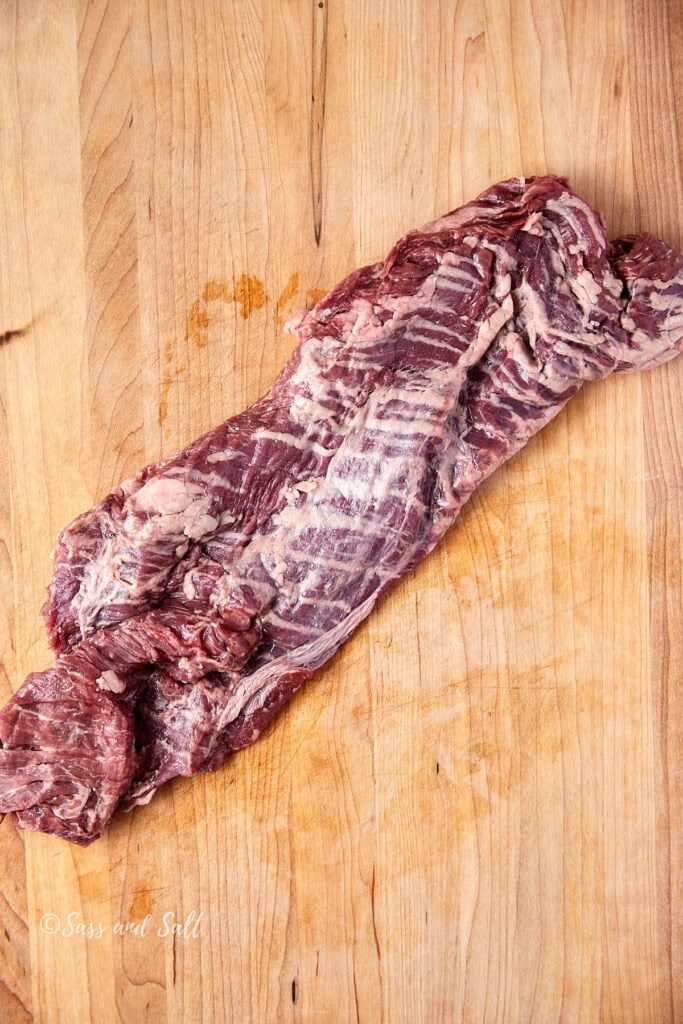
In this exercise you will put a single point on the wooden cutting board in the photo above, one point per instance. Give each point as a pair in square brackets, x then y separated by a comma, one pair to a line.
[473, 814]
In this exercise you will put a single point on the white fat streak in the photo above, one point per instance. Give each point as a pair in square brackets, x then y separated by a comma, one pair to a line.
[276, 566]
[164, 495]
[566, 204]
[487, 331]
[223, 456]
[109, 680]
[402, 305]
[493, 325]
[399, 495]
[411, 335]
[585, 287]
[254, 691]
[322, 562]
[458, 218]
[419, 399]
[424, 323]
[366, 486]
[502, 287]
[534, 312]
[293, 519]
[306, 486]
[302, 443]
[533, 225]
[558, 266]
[404, 428]
[453, 265]
[378, 488]
[664, 302]
[305, 411]
[453, 282]
[234, 536]
[358, 361]
[189, 589]
[272, 619]
[200, 526]
[72, 807]
[663, 286]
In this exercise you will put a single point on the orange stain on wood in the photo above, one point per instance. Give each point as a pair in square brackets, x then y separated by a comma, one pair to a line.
[166, 381]
[246, 290]
[287, 293]
[197, 324]
[163, 397]
[140, 906]
[249, 294]
[314, 295]
[214, 290]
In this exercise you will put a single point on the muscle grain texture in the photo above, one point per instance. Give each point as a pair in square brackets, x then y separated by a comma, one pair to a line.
[190, 604]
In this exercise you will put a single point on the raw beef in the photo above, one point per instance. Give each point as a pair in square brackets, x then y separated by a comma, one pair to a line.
[194, 600]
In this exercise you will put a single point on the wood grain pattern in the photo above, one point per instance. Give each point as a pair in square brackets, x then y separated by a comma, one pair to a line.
[473, 814]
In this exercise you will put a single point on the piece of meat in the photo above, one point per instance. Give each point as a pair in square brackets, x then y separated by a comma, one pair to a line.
[191, 603]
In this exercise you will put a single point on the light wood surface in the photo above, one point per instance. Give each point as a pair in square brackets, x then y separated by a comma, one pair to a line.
[473, 814]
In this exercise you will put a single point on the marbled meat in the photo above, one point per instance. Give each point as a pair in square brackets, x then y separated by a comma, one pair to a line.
[190, 604]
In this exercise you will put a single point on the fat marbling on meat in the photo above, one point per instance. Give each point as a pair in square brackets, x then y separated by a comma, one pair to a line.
[191, 603]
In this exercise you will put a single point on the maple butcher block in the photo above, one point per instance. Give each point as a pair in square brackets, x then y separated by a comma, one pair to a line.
[472, 814]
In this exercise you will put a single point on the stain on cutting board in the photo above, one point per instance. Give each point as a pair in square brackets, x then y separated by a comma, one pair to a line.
[167, 378]
[247, 292]
[140, 905]
[288, 292]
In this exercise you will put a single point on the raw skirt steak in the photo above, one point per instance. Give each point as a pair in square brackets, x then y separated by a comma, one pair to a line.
[194, 600]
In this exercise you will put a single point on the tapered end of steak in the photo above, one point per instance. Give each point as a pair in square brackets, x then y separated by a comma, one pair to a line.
[66, 758]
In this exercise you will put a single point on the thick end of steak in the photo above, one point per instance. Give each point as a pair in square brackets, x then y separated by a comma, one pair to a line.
[67, 755]
[75, 737]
